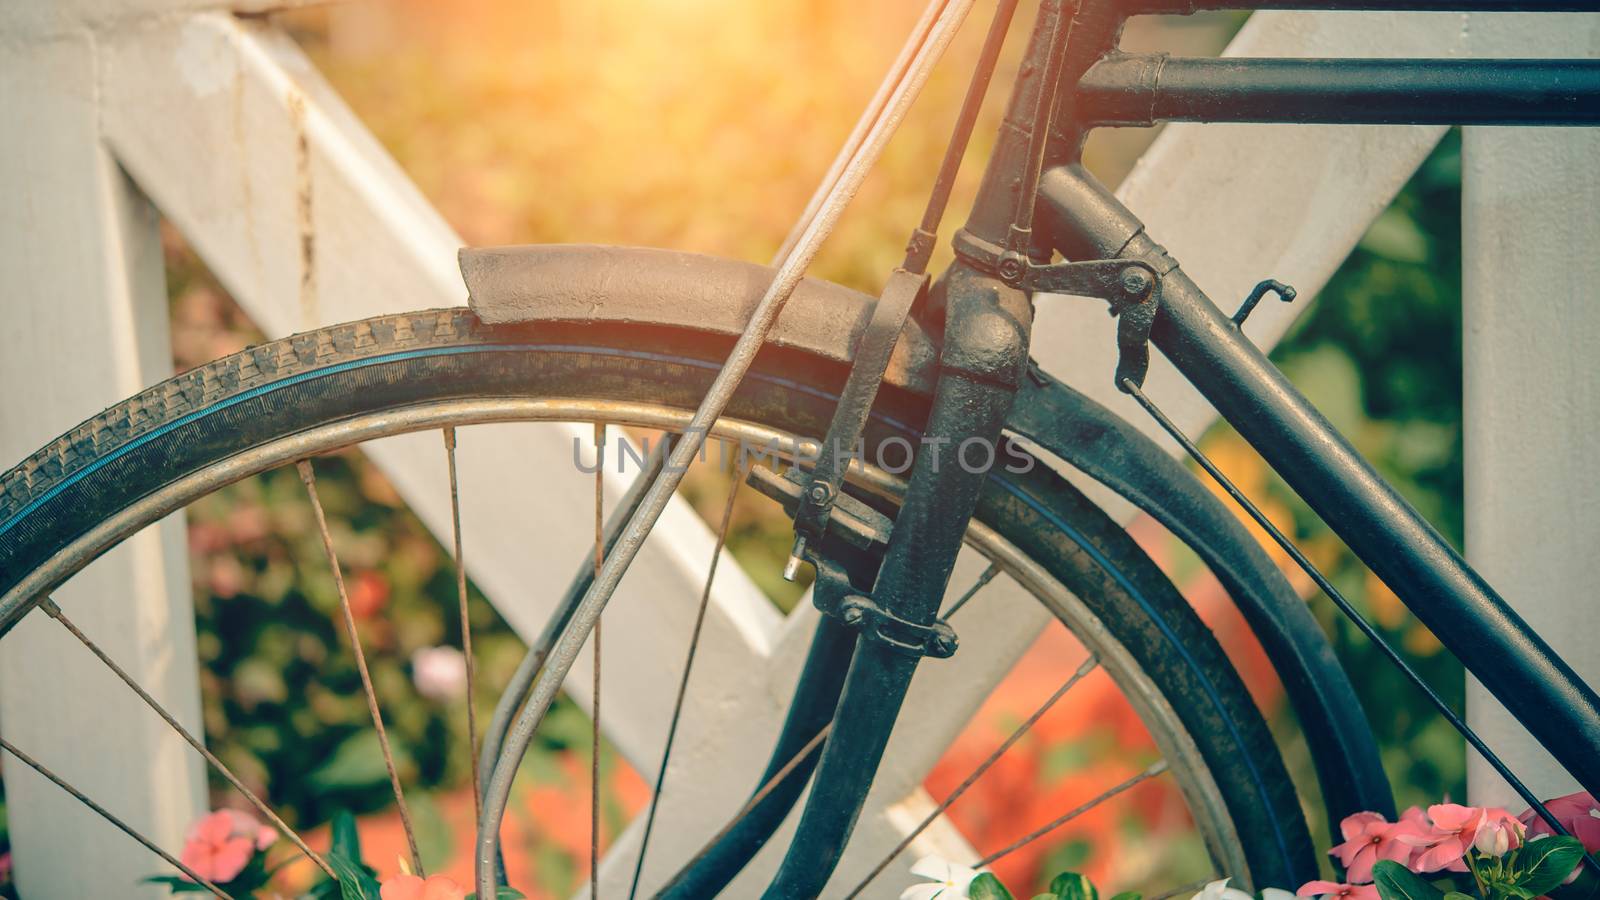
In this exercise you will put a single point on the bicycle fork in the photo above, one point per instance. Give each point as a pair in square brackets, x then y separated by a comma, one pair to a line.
[981, 366]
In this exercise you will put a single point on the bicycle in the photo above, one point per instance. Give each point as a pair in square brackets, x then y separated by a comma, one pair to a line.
[575, 333]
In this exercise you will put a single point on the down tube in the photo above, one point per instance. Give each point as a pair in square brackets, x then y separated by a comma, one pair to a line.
[1389, 536]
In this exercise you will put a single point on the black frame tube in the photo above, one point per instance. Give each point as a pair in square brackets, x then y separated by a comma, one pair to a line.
[1140, 90]
[1383, 530]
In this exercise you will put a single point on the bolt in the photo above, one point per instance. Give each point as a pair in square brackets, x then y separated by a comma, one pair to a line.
[945, 643]
[1012, 268]
[819, 492]
[1135, 281]
[852, 615]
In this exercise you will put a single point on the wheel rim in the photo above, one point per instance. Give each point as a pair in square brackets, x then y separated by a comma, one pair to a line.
[1203, 797]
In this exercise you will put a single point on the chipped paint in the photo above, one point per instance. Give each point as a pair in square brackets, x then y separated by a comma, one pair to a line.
[309, 315]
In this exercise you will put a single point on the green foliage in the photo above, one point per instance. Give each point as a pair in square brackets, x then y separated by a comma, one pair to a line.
[1396, 882]
[356, 879]
[1533, 870]
[1072, 886]
[1543, 864]
[988, 887]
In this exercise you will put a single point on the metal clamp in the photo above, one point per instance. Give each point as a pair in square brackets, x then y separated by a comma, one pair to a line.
[876, 623]
[1131, 286]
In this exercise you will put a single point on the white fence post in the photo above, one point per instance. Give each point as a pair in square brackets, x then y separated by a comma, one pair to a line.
[1530, 228]
[85, 324]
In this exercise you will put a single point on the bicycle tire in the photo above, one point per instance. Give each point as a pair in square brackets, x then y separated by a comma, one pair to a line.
[130, 452]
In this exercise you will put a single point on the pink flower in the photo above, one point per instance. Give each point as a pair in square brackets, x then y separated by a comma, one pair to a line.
[1578, 813]
[212, 849]
[1368, 837]
[5, 868]
[440, 673]
[412, 887]
[1334, 890]
[1443, 847]
[246, 826]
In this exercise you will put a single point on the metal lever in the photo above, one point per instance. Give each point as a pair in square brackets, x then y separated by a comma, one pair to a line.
[1132, 287]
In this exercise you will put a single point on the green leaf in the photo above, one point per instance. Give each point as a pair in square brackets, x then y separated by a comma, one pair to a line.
[356, 763]
[1585, 887]
[355, 881]
[1457, 895]
[1396, 882]
[1128, 895]
[346, 839]
[503, 892]
[1072, 886]
[1396, 235]
[988, 887]
[1542, 865]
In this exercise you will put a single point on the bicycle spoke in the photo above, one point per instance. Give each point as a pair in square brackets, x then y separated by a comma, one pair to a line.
[309, 476]
[688, 665]
[761, 793]
[521, 683]
[1082, 672]
[594, 744]
[106, 814]
[466, 621]
[50, 608]
[1155, 769]
[987, 576]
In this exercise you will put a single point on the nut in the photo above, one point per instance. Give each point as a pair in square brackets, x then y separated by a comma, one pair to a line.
[1135, 281]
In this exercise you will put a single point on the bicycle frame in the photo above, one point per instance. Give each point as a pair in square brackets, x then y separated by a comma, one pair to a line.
[1074, 74]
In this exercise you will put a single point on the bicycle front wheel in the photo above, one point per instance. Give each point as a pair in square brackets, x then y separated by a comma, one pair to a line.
[288, 400]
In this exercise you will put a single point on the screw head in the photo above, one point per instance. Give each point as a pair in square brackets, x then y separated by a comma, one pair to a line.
[853, 615]
[945, 643]
[1012, 268]
[819, 492]
[1135, 281]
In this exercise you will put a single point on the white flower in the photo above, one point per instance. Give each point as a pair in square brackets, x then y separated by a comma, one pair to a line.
[1219, 890]
[440, 673]
[949, 880]
[1493, 839]
[1276, 894]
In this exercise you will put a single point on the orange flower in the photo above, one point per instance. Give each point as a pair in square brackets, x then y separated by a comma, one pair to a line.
[412, 887]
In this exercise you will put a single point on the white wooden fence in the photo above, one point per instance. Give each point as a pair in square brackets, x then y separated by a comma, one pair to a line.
[112, 110]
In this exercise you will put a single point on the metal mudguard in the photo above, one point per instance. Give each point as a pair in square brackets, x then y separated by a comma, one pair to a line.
[590, 283]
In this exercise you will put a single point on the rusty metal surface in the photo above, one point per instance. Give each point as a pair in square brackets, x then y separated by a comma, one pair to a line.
[589, 283]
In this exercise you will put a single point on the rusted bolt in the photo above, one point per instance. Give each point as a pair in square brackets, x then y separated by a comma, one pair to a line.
[852, 615]
[820, 492]
[1135, 281]
[1012, 268]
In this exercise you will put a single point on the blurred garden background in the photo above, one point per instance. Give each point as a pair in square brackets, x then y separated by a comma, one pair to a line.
[703, 125]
